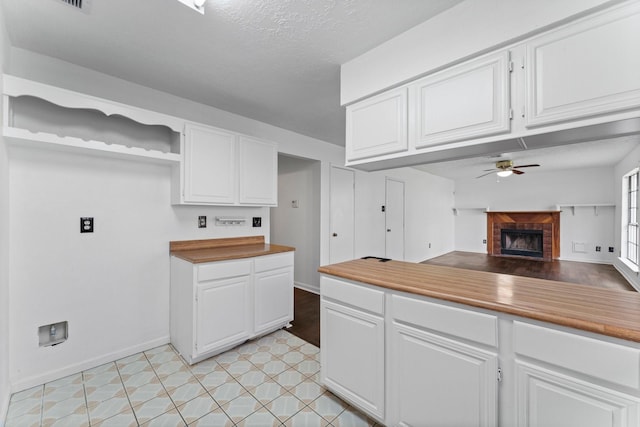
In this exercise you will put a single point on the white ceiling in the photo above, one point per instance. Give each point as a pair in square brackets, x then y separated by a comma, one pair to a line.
[277, 61]
[574, 156]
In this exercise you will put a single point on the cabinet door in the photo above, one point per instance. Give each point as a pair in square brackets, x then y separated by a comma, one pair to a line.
[436, 381]
[222, 313]
[548, 399]
[258, 161]
[584, 69]
[273, 299]
[377, 126]
[352, 355]
[210, 165]
[466, 101]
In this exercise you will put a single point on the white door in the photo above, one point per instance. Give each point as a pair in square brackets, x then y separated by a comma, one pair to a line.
[273, 298]
[341, 246]
[258, 164]
[394, 219]
[222, 313]
[210, 165]
[436, 381]
[550, 399]
[353, 355]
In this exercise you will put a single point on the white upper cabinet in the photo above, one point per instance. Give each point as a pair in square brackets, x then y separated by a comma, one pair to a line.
[225, 168]
[377, 125]
[258, 163]
[585, 69]
[209, 165]
[466, 101]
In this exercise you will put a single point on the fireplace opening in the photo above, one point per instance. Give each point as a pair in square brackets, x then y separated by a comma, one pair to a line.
[522, 242]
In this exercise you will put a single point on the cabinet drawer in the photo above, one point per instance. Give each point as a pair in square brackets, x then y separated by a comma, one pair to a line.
[221, 270]
[271, 262]
[355, 295]
[604, 360]
[479, 327]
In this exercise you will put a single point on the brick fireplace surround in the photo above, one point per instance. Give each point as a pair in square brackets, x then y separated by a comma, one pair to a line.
[547, 221]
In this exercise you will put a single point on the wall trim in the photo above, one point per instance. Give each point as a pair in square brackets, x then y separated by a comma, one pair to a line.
[629, 275]
[306, 287]
[46, 377]
[4, 407]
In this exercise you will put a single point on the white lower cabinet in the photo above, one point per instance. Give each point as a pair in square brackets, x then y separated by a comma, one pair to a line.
[409, 360]
[352, 340]
[273, 292]
[436, 381]
[222, 313]
[548, 398]
[218, 305]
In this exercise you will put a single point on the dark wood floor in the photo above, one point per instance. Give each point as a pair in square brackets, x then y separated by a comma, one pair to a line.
[603, 275]
[306, 316]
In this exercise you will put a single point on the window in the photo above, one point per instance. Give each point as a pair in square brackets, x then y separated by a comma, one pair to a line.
[630, 186]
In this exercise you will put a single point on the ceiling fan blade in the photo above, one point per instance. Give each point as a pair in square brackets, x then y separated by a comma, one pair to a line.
[485, 174]
[517, 172]
[491, 170]
[526, 166]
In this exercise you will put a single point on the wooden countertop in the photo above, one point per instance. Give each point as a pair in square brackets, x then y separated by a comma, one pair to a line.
[210, 250]
[615, 313]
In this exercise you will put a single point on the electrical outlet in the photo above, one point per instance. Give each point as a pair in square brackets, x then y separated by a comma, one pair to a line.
[257, 221]
[202, 221]
[611, 249]
[484, 241]
[598, 248]
[294, 204]
[86, 225]
[429, 245]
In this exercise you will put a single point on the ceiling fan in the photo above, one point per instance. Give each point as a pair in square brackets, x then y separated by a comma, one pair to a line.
[505, 168]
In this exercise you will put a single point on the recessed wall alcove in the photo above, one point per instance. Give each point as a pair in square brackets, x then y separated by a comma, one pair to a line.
[548, 222]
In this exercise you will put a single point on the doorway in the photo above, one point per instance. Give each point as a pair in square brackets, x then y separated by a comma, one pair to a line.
[394, 219]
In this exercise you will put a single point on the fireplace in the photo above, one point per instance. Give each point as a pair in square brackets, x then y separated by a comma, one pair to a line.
[521, 242]
[530, 234]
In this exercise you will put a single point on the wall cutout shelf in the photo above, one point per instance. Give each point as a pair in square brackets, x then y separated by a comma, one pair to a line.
[595, 207]
[457, 211]
[43, 116]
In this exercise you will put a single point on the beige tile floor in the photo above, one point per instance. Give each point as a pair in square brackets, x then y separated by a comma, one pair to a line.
[270, 381]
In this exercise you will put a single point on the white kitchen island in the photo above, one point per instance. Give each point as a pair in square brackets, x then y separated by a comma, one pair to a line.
[421, 345]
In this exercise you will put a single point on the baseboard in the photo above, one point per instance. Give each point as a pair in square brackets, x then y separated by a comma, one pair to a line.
[46, 377]
[589, 261]
[4, 407]
[306, 287]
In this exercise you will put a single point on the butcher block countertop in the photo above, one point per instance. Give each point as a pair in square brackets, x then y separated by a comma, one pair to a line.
[615, 313]
[199, 251]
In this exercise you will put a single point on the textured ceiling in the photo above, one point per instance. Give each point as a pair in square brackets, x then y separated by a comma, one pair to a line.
[277, 61]
[601, 153]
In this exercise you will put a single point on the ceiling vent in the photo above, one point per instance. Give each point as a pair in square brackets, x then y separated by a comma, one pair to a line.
[83, 5]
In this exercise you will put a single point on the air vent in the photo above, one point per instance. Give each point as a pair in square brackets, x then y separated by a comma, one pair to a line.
[83, 5]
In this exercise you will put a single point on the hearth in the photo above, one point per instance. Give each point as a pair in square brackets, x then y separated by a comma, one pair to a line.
[521, 242]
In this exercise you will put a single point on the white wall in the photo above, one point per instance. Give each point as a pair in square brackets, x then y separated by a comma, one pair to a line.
[5, 389]
[428, 213]
[629, 163]
[538, 190]
[299, 179]
[111, 286]
[468, 28]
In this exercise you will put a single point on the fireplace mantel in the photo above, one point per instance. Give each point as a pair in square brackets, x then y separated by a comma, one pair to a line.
[547, 221]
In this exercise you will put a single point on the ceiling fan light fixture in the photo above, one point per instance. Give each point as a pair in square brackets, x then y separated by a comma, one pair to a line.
[504, 174]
